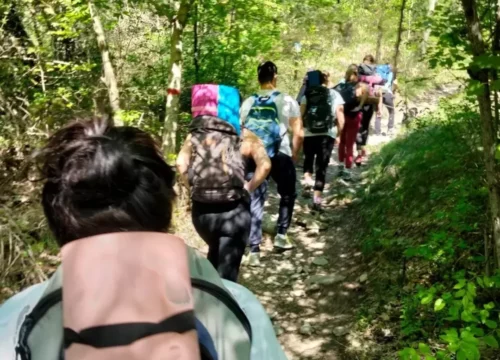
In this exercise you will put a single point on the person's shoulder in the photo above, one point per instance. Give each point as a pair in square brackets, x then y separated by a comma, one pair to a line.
[249, 100]
[287, 98]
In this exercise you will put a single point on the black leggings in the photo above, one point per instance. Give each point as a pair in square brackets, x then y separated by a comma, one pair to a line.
[225, 229]
[364, 129]
[318, 148]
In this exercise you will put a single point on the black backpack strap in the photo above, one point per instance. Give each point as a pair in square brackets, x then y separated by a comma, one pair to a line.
[127, 333]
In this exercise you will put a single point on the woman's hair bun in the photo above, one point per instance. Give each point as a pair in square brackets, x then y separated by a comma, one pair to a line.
[104, 178]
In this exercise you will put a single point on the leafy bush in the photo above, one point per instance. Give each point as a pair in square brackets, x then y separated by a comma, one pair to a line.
[425, 209]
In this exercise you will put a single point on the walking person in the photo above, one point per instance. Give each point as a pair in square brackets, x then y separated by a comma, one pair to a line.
[270, 114]
[368, 69]
[213, 163]
[321, 109]
[387, 99]
[355, 94]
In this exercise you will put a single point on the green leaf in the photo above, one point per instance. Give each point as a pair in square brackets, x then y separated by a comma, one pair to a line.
[477, 331]
[491, 324]
[491, 341]
[461, 355]
[409, 354]
[460, 293]
[489, 306]
[424, 349]
[427, 299]
[441, 355]
[461, 284]
[471, 351]
[439, 305]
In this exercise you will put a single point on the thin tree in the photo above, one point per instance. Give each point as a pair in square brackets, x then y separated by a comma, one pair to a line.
[400, 35]
[196, 46]
[380, 36]
[489, 127]
[178, 21]
[427, 31]
[109, 74]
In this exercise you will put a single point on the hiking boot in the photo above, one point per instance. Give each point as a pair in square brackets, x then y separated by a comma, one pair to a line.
[283, 242]
[253, 259]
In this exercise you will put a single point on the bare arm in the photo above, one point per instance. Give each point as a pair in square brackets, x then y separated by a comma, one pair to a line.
[298, 136]
[252, 147]
[303, 109]
[183, 160]
[340, 120]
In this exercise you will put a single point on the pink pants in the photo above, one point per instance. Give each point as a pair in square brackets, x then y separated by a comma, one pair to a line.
[348, 138]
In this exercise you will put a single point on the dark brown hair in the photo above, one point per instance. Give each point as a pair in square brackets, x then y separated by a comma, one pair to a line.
[102, 179]
[324, 77]
[369, 58]
[266, 71]
[351, 70]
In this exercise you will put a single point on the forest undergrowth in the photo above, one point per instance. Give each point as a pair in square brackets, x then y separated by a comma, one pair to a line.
[423, 228]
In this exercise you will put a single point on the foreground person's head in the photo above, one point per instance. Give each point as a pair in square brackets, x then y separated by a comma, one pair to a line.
[101, 179]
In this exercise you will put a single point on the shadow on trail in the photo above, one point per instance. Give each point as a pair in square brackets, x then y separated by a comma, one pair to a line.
[312, 292]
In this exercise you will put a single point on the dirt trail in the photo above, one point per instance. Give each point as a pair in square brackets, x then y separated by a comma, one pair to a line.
[312, 293]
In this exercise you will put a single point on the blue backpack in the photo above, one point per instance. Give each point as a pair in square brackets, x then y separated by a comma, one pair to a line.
[384, 71]
[264, 122]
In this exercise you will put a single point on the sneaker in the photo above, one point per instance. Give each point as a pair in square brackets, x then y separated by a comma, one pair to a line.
[317, 208]
[341, 170]
[347, 176]
[308, 183]
[359, 160]
[254, 259]
[283, 242]
[391, 133]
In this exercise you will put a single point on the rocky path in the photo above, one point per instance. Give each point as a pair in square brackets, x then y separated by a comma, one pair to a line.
[313, 292]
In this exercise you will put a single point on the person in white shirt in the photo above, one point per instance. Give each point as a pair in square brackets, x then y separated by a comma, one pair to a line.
[318, 146]
[283, 109]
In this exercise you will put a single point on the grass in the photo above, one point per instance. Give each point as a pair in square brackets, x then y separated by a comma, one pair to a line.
[423, 220]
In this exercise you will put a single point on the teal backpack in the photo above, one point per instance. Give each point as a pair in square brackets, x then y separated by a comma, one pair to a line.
[264, 122]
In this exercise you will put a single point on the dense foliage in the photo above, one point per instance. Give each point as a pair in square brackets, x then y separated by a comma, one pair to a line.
[428, 209]
[425, 212]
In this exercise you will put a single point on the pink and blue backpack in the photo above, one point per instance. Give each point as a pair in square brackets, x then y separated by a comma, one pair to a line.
[220, 101]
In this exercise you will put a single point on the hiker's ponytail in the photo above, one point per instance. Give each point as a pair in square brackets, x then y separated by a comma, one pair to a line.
[102, 179]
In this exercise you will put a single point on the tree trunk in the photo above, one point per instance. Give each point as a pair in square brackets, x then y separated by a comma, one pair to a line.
[380, 36]
[398, 41]
[427, 31]
[488, 126]
[409, 20]
[496, 51]
[196, 49]
[109, 74]
[174, 78]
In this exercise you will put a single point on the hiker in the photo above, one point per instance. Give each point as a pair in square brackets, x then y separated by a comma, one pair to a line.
[126, 288]
[321, 109]
[368, 68]
[270, 114]
[385, 71]
[356, 97]
[213, 162]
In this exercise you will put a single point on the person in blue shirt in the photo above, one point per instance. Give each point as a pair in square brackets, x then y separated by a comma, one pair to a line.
[388, 101]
